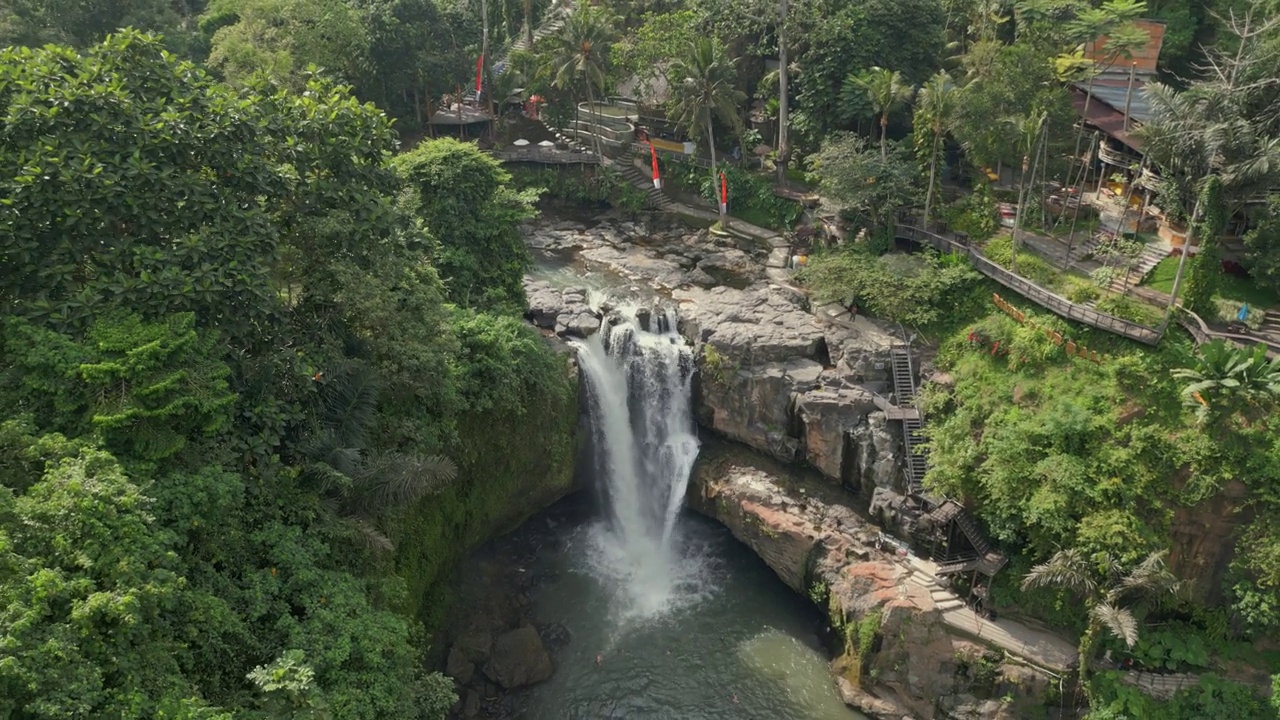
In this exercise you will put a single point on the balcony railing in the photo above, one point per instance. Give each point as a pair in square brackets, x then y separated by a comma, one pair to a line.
[1112, 156]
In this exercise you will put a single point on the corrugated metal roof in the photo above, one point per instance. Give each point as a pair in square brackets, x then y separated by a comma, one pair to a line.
[1114, 96]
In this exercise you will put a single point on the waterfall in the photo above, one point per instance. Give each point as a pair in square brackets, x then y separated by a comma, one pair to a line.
[638, 374]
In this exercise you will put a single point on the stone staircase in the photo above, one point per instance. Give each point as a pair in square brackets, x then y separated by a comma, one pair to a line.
[1270, 327]
[551, 23]
[654, 198]
[1151, 256]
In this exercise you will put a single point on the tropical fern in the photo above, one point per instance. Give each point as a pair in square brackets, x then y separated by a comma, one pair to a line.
[356, 484]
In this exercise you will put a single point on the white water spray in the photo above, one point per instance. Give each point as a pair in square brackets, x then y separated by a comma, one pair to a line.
[638, 382]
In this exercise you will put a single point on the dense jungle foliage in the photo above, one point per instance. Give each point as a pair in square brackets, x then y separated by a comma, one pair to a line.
[252, 373]
[257, 374]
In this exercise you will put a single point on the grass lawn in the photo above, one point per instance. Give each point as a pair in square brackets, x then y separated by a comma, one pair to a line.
[1230, 287]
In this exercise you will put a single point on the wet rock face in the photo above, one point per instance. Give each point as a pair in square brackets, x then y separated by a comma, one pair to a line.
[802, 528]
[519, 659]
[774, 375]
[769, 380]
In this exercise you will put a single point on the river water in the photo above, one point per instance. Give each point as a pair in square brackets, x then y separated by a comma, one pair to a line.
[669, 617]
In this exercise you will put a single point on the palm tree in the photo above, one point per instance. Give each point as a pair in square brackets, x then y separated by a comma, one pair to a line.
[887, 93]
[356, 484]
[579, 56]
[1214, 129]
[1030, 130]
[1103, 583]
[707, 89]
[1229, 381]
[936, 107]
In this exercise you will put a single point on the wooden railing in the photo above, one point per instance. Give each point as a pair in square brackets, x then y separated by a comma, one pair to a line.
[546, 156]
[1049, 301]
[1202, 334]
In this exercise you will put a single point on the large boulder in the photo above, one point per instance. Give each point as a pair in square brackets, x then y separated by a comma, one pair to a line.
[519, 659]
[760, 324]
[753, 405]
[827, 418]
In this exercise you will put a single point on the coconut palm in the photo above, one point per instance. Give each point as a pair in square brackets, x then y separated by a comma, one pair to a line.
[936, 106]
[1105, 585]
[706, 89]
[579, 56]
[1214, 129]
[357, 484]
[887, 93]
[1029, 130]
[1228, 381]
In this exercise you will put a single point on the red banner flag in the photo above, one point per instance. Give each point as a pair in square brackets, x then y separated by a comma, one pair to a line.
[653, 153]
[479, 70]
[724, 194]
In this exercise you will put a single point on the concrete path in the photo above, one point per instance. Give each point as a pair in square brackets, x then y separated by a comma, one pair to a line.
[1037, 647]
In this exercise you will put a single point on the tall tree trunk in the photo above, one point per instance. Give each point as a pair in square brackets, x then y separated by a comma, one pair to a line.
[933, 173]
[784, 108]
[1088, 646]
[1182, 260]
[528, 24]
[715, 186]
[484, 58]
[1017, 216]
[591, 108]
[884, 128]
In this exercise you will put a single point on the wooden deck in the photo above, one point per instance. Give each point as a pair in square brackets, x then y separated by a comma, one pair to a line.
[545, 156]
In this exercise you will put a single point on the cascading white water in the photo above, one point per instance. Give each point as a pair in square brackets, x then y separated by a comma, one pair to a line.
[638, 383]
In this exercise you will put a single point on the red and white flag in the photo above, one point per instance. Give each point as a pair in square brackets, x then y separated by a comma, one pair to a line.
[724, 194]
[479, 70]
[657, 181]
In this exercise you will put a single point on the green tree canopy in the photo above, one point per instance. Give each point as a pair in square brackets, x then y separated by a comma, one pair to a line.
[460, 192]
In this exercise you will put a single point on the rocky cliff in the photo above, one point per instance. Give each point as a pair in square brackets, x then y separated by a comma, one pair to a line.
[775, 376]
[897, 656]
[805, 391]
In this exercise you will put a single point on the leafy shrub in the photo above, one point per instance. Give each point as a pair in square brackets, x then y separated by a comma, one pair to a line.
[918, 290]
[1030, 266]
[975, 215]
[1082, 293]
[1127, 308]
[1177, 648]
[750, 194]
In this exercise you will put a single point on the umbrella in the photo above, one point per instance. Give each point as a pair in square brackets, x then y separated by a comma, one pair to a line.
[520, 143]
[547, 143]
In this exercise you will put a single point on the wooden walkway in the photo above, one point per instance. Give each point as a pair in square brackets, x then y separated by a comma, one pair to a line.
[545, 156]
[1203, 334]
[1036, 294]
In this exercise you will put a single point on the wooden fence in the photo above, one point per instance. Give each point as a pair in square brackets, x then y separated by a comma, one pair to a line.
[1036, 294]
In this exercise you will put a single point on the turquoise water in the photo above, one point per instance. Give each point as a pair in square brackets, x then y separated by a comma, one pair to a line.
[729, 640]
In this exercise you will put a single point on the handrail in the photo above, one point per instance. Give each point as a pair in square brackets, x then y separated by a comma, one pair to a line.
[1202, 334]
[546, 156]
[1048, 300]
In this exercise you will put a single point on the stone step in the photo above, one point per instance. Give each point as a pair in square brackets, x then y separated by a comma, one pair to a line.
[949, 605]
